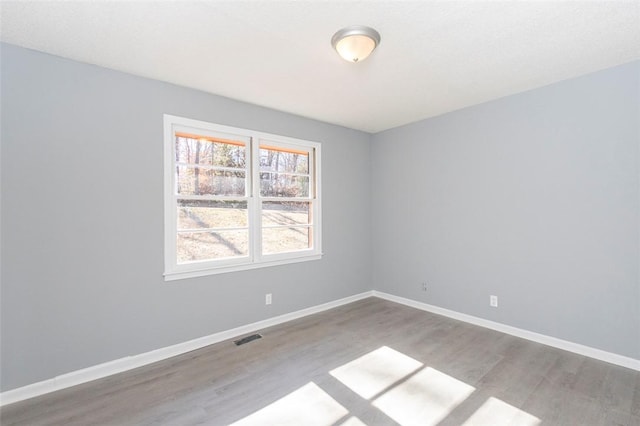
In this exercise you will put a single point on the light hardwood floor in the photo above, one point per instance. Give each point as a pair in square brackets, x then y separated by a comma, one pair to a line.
[371, 362]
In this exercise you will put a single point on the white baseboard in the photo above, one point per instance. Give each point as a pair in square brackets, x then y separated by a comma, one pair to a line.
[127, 363]
[599, 354]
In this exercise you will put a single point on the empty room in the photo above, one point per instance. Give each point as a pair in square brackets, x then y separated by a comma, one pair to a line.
[320, 213]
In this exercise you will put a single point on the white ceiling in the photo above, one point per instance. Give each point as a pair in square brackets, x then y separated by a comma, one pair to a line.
[434, 57]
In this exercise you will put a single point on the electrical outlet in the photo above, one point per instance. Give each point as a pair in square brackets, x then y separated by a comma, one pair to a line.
[493, 301]
[267, 299]
[424, 286]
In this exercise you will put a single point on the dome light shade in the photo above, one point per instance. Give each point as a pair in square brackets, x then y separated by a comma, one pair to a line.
[355, 43]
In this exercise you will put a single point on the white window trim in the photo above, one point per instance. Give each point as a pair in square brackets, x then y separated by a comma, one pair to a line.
[175, 271]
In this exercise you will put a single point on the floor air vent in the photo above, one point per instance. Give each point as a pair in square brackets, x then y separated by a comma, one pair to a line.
[247, 339]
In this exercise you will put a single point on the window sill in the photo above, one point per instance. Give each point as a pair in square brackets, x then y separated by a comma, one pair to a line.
[194, 273]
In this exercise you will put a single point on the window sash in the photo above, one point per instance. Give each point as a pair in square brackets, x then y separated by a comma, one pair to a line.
[253, 142]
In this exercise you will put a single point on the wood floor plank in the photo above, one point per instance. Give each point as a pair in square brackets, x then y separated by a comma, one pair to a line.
[635, 403]
[457, 374]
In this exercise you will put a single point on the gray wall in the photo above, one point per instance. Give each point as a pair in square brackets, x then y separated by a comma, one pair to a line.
[82, 220]
[533, 198]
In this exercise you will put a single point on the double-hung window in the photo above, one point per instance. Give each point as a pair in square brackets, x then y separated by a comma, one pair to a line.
[237, 199]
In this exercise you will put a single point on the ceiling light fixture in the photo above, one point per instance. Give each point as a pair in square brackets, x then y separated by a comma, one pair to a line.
[355, 43]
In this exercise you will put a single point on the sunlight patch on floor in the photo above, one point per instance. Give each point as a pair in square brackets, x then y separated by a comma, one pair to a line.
[376, 371]
[423, 399]
[400, 387]
[353, 421]
[308, 403]
[496, 412]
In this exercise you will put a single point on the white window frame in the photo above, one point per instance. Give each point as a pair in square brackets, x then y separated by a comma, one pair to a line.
[255, 259]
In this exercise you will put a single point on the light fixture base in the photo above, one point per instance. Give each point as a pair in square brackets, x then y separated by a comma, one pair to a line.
[356, 42]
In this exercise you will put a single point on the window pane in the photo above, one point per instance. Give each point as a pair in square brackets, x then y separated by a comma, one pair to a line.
[201, 214]
[192, 246]
[206, 151]
[285, 213]
[281, 185]
[282, 240]
[277, 160]
[199, 181]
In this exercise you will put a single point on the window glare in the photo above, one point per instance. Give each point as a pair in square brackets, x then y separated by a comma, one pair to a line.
[279, 240]
[195, 246]
[286, 213]
[204, 214]
[281, 185]
[284, 161]
[199, 181]
[207, 152]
